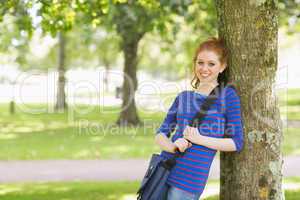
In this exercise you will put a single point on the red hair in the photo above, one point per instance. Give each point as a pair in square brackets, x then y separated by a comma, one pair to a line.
[212, 44]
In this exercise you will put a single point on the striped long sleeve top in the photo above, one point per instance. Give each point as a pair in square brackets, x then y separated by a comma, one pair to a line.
[223, 119]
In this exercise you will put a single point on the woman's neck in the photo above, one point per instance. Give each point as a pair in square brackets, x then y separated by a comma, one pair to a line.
[206, 87]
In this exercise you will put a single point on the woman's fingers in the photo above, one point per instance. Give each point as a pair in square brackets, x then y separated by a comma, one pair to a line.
[182, 144]
[180, 148]
[186, 132]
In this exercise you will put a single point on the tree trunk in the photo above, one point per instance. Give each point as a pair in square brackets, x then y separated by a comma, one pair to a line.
[129, 115]
[106, 76]
[250, 30]
[61, 104]
[12, 109]
[12, 103]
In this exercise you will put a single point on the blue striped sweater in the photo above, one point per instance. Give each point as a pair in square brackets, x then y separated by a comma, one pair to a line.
[223, 119]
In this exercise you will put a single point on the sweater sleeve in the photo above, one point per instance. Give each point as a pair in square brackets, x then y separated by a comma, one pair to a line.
[170, 121]
[234, 124]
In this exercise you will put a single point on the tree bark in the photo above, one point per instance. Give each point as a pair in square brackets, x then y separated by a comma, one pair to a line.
[61, 104]
[129, 115]
[250, 31]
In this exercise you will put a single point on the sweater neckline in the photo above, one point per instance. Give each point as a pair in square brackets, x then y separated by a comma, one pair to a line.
[199, 94]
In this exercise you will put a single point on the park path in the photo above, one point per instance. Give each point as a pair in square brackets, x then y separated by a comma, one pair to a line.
[293, 123]
[99, 170]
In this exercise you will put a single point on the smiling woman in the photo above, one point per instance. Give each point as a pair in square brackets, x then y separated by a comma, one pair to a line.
[188, 177]
[210, 63]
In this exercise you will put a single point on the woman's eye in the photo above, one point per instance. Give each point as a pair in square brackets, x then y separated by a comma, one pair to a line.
[200, 63]
[211, 64]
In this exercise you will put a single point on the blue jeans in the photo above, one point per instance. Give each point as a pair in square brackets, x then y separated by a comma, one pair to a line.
[174, 193]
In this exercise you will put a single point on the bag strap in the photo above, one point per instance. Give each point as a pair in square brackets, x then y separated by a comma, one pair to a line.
[210, 99]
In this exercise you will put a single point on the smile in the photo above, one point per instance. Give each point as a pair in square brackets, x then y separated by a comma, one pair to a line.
[204, 75]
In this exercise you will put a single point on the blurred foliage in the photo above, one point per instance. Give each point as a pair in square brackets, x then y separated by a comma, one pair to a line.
[289, 15]
[16, 28]
[86, 47]
[13, 40]
[166, 23]
[19, 9]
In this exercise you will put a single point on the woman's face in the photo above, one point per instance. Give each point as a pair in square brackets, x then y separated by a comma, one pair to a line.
[208, 66]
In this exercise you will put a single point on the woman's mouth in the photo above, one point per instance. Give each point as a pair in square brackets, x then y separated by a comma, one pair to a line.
[204, 75]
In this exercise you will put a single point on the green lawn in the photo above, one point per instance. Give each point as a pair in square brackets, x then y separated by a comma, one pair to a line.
[92, 191]
[289, 101]
[291, 141]
[79, 134]
[291, 194]
[293, 97]
[69, 191]
[293, 112]
[72, 135]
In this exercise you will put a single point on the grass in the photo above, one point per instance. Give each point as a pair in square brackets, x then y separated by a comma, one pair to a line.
[93, 191]
[78, 134]
[293, 113]
[290, 194]
[35, 132]
[293, 97]
[74, 135]
[289, 101]
[69, 191]
[291, 141]
[290, 97]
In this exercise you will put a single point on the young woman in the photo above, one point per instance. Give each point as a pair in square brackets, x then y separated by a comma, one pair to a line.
[221, 129]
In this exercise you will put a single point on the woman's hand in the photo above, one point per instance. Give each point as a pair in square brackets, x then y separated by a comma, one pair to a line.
[192, 134]
[182, 144]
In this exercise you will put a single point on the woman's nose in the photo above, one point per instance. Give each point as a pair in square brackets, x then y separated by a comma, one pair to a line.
[204, 68]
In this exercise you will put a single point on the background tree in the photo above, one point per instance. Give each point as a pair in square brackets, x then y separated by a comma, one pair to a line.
[250, 30]
[58, 17]
[16, 31]
[61, 68]
[289, 15]
[132, 20]
[105, 48]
